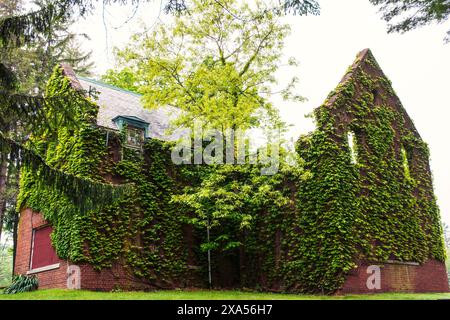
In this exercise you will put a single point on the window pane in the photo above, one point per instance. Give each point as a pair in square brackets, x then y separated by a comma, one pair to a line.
[135, 136]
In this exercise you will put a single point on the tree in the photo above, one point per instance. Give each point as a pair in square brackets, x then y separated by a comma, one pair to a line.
[412, 14]
[58, 45]
[24, 113]
[217, 64]
[229, 199]
[77, 58]
[125, 78]
[10, 7]
[34, 62]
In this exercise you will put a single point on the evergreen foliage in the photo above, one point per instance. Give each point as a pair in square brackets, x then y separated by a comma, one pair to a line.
[405, 15]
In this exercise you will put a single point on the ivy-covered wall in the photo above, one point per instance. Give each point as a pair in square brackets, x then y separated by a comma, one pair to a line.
[142, 230]
[367, 201]
[370, 201]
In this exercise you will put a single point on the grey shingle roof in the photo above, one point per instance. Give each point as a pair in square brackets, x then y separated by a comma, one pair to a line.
[115, 102]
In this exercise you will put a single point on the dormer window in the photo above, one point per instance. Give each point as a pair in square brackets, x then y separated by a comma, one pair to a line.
[136, 130]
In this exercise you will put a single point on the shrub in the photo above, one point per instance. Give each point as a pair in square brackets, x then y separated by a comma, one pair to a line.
[22, 283]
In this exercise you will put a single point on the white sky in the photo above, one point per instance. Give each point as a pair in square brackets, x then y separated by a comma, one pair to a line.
[417, 63]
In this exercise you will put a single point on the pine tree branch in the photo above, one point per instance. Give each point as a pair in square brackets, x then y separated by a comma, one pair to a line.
[16, 31]
[84, 193]
[31, 111]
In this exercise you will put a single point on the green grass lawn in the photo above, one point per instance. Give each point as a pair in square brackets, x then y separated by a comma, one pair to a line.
[57, 294]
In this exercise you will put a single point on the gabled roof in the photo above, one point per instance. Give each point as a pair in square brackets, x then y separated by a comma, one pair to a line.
[114, 102]
[365, 63]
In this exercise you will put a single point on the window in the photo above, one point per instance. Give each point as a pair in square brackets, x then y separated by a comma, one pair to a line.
[405, 162]
[136, 129]
[135, 136]
[42, 252]
[352, 146]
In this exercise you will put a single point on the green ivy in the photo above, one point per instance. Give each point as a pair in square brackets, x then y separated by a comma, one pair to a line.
[140, 230]
[371, 211]
[302, 230]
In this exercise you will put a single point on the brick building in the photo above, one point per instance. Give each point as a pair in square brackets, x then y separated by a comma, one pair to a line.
[117, 107]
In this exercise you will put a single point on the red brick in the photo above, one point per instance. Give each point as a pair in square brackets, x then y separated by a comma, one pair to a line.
[430, 276]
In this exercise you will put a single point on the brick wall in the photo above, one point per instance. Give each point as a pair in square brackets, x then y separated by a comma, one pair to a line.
[396, 277]
[428, 277]
[109, 279]
[104, 280]
[55, 278]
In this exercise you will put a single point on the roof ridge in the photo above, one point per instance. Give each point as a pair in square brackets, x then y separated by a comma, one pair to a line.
[70, 74]
[107, 85]
[359, 60]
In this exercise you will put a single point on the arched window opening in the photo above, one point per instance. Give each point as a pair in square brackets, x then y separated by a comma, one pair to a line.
[352, 146]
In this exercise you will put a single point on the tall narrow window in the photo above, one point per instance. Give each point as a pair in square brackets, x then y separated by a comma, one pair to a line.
[43, 254]
[405, 162]
[352, 146]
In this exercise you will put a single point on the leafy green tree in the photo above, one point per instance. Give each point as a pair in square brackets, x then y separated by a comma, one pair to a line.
[411, 14]
[126, 79]
[230, 197]
[216, 64]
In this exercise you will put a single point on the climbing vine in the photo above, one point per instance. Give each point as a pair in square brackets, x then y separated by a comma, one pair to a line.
[302, 230]
[371, 209]
[141, 229]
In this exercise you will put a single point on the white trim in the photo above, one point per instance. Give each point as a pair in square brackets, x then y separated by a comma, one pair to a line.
[42, 269]
[404, 263]
[32, 248]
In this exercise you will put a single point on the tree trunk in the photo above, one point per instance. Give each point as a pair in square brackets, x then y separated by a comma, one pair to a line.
[15, 227]
[2, 218]
[3, 180]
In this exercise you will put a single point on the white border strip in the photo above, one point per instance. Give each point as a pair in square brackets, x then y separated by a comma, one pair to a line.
[42, 269]
[403, 262]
